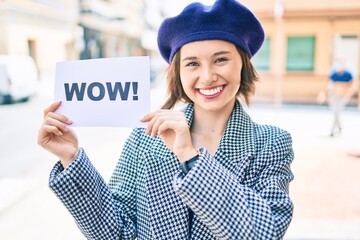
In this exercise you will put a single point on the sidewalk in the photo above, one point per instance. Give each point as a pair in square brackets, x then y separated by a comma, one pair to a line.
[326, 188]
[325, 192]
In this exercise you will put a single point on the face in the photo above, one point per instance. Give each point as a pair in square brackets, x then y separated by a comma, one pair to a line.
[210, 73]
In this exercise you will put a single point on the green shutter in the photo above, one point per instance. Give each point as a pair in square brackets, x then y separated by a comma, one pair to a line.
[300, 53]
[261, 60]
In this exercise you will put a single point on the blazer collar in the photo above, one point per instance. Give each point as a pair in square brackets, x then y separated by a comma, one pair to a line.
[238, 139]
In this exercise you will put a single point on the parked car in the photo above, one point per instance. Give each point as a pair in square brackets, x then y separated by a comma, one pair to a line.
[18, 78]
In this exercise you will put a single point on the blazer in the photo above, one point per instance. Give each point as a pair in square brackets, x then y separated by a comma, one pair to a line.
[239, 193]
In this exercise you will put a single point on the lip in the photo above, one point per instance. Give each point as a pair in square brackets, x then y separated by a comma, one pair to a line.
[215, 95]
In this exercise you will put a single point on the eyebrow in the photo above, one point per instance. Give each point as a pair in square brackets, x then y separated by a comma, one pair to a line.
[215, 54]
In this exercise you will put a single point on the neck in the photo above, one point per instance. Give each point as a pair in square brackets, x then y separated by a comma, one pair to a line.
[211, 123]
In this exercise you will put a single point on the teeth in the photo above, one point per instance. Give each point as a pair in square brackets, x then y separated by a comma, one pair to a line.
[210, 92]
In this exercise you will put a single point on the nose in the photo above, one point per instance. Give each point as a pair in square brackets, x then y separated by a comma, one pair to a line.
[208, 75]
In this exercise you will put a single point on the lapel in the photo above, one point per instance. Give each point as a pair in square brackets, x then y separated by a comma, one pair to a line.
[169, 216]
[237, 146]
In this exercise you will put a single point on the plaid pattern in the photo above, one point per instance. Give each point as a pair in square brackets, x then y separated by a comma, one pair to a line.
[240, 193]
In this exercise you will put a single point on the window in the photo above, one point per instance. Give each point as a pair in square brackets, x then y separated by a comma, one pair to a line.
[300, 53]
[261, 60]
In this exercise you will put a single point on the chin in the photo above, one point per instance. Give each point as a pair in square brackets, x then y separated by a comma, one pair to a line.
[214, 106]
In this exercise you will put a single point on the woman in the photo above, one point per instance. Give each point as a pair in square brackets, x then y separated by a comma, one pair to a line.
[207, 172]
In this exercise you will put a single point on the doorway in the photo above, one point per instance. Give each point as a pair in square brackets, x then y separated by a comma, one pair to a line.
[347, 47]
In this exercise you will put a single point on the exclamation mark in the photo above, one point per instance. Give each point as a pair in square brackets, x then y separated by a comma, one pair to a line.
[135, 88]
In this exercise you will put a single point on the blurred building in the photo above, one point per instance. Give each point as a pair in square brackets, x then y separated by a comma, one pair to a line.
[43, 29]
[111, 28]
[303, 39]
[58, 30]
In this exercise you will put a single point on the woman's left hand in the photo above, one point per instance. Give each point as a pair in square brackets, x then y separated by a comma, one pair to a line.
[173, 129]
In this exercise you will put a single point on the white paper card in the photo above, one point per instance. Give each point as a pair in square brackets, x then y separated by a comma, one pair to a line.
[106, 92]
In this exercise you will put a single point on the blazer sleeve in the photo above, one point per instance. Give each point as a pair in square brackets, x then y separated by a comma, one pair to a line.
[233, 210]
[98, 212]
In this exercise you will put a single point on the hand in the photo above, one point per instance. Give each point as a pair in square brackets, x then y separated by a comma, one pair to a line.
[55, 136]
[173, 130]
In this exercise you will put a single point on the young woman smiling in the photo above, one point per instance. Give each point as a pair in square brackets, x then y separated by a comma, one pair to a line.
[205, 172]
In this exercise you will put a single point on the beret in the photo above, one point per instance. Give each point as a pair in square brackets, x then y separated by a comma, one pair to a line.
[226, 20]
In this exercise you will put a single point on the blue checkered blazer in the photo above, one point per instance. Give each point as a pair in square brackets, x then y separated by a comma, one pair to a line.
[240, 193]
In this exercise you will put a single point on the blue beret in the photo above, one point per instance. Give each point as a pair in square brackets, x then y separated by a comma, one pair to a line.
[226, 20]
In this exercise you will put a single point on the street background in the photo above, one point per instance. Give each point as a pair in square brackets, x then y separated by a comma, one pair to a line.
[303, 40]
[326, 190]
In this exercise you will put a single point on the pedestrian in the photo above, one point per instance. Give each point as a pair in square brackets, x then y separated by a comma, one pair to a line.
[205, 172]
[337, 91]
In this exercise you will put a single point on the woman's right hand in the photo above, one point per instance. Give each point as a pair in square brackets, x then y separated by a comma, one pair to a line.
[56, 137]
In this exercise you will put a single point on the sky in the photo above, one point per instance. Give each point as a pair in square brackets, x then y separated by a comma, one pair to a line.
[174, 7]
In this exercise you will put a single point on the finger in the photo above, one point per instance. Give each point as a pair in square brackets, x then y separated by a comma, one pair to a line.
[52, 108]
[46, 131]
[159, 120]
[58, 124]
[166, 115]
[151, 119]
[167, 125]
[167, 121]
[59, 117]
[53, 129]
[150, 125]
[149, 116]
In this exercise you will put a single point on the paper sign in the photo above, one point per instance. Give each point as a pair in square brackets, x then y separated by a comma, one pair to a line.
[106, 92]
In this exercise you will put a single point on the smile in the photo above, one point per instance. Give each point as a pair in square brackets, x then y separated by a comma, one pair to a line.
[212, 91]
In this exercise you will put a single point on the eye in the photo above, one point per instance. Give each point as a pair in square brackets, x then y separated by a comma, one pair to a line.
[219, 60]
[192, 64]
